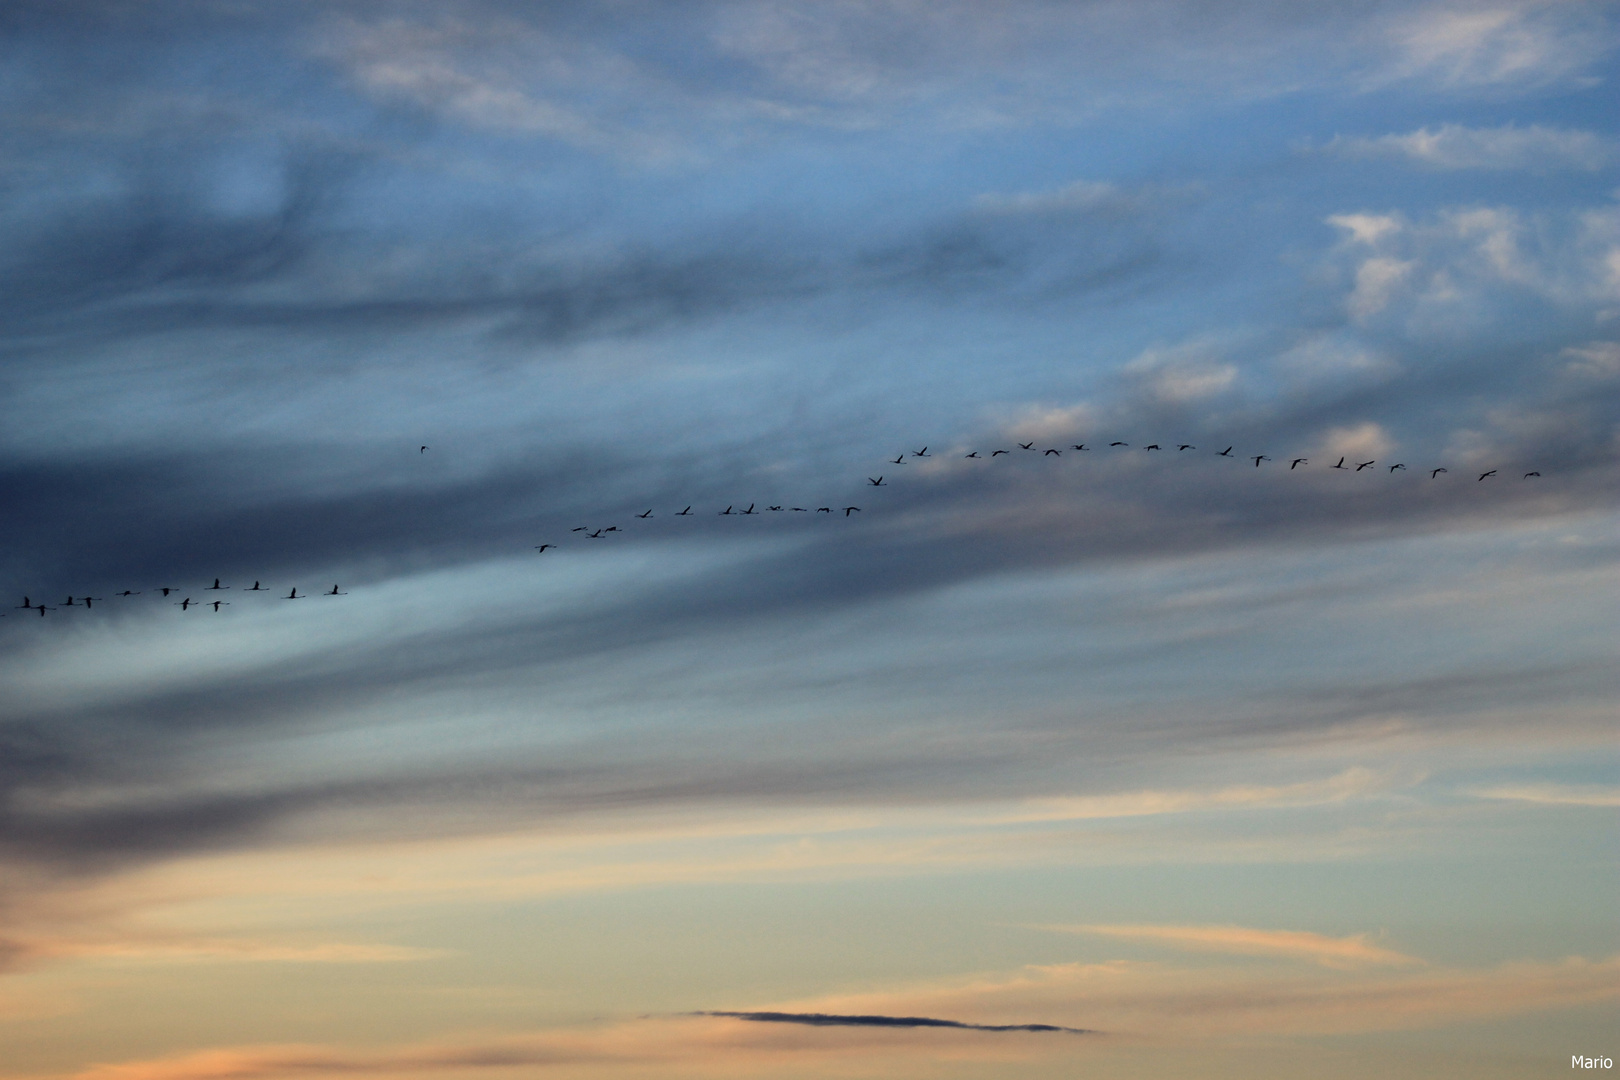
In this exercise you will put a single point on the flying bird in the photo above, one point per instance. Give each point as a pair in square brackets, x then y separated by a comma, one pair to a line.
[1483, 475]
[42, 609]
[335, 592]
[217, 585]
[25, 604]
[724, 512]
[88, 599]
[802, 509]
[750, 509]
[69, 602]
[920, 453]
[974, 454]
[597, 535]
[1186, 446]
[127, 592]
[1340, 465]
[1392, 468]
[217, 603]
[685, 513]
[1298, 461]
[1119, 444]
[1152, 446]
[648, 514]
[1258, 458]
[773, 508]
[823, 509]
[1435, 472]
[848, 510]
[580, 528]
[611, 528]
[423, 450]
[1365, 465]
[255, 588]
[185, 604]
[1079, 446]
[901, 460]
[1049, 453]
[166, 592]
[1528, 475]
[293, 595]
[1225, 453]
[875, 483]
[542, 547]
[993, 453]
[1026, 446]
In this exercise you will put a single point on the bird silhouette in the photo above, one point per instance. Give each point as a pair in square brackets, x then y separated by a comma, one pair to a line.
[974, 454]
[750, 509]
[1528, 475]
[185, 605]
[1026, 446]
[1119, 444]
[878, 482]
[773, 508]
[920, 453]
[1392, 468]
[823, 509]
[335, 592]
[166, 592]
[611, 528]
[127, 592]
[1151, 446]
[1483, 475]
[1225, 453]
[1298, 461]
[1186, 446]
[1258, 458]
[293, 595]
[1079, 446]
[685, 513]
[542, 547]
[1365, 465]
[256, 588]
[25, 604]
[423, 450]
[802, 509]
[69, 602]
[1340, 465]
[993, 453]
[580, 528]
[648, 514]
[848, 510]
[217, 604]
[724, 512]
[597, 535]
[1049, 453]
[42, 609]
[1435, 472]
[901, 460]
[88, 600]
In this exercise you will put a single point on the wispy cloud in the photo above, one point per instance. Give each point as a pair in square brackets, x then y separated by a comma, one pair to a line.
[836, 1020]
[1335, 952]
[1452, 146]
[1551, 794]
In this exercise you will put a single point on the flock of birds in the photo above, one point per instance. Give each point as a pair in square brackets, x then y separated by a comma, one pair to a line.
[188, 602]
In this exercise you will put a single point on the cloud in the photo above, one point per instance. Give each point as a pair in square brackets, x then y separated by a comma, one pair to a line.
[1593, 360]
[1551, 794]
[1452, 146]
[1473, 46]
[1334, 952]
[831, 1020]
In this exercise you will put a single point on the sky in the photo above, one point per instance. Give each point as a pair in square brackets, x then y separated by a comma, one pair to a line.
[1254, 711]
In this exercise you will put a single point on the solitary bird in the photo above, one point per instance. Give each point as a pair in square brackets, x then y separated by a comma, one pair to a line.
[1258, 458]
[1079, 446]
[648, 514]
[1340, 465]
[1392, 468]
[724, 512]
[1225, 453]
[974, 454]
[217, 585]
[335, 592]
[993, 453]
[293, 595]
[1186, 446]
[1298, 461]
[920, 453]
[823, 509]
[750, 509]
[1365, 465]
[875, 483]
[1049, 453]
[1151, 446]
[218, 603]
[1528, 475]
[685, 513]
[185, 604]
[423, 450]
[1435, 472]
[127, 592]
[848, 510]
[256, 588]
[901, 460]
[1483, 475]
[1119, 444]
[542, 547]
[1026, 446]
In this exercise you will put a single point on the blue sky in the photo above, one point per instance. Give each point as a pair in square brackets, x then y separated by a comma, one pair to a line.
[1200, 725]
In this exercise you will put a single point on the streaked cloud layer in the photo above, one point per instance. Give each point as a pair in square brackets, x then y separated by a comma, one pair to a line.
[379, 298]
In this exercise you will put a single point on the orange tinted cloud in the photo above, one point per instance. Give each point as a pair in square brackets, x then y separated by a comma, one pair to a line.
[1350, 951]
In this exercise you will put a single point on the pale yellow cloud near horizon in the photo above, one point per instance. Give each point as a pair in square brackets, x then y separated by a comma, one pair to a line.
[1337, 952]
